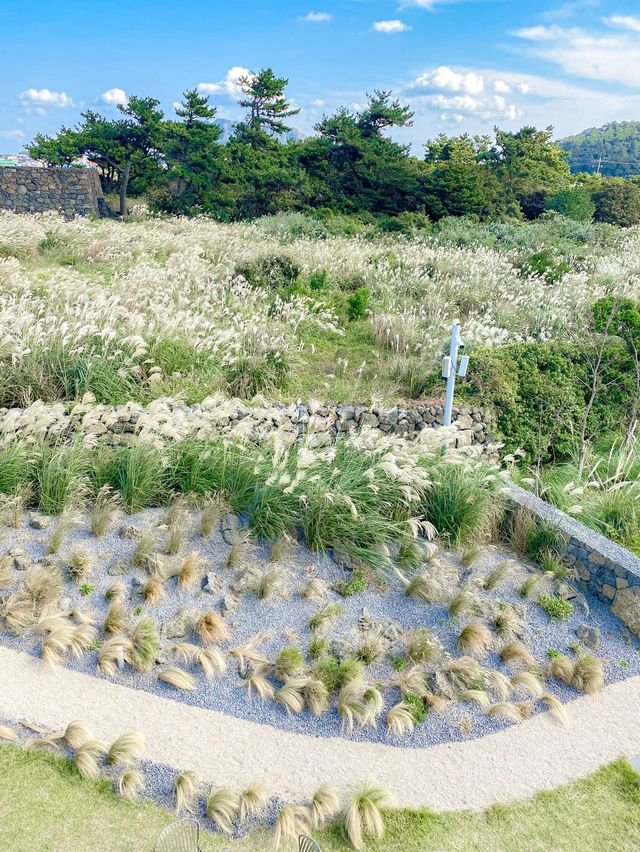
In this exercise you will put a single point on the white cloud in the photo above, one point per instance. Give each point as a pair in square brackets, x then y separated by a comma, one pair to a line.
[605, 56]
[317, 17]
[501, 87]
[390, 27]
[457, 102]
[448, 80]
[627, 22]
[229, 86]
[115, 96]
[317, 102]
[45, 97]
[11, 134]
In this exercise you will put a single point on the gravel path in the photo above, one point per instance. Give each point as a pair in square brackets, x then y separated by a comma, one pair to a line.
[535, 755]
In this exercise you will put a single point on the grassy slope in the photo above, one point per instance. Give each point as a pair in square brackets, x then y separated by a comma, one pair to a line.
[44, 805]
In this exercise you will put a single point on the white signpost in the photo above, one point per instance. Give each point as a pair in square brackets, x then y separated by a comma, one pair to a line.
[451, 368]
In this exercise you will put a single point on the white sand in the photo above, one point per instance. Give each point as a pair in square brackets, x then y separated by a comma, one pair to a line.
[535, 755]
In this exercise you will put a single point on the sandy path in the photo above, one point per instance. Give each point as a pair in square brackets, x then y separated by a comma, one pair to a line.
[516, 762]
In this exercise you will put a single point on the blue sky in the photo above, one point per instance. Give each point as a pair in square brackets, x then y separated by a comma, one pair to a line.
[463, 65]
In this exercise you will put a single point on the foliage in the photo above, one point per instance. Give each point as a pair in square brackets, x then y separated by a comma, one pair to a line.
[575, 203]
[612, 150]
[556, 608]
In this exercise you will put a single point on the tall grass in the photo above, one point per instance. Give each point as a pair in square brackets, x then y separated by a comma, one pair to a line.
[61, 476]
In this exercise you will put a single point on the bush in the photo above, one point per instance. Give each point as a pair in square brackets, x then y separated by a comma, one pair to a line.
[357, 303]
[574, 203]
[273, 271]
[537, 393]
[618, 202]
[544, 264]
[556, 608]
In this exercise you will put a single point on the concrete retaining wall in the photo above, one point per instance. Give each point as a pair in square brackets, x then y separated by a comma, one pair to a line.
[607, 570]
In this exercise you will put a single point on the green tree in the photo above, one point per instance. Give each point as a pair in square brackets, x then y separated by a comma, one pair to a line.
[574, 203]
[59, 150]
[618, 202]
[192, 154]
[457, 179]
[266, 103]
[529, 166]
[122, 146]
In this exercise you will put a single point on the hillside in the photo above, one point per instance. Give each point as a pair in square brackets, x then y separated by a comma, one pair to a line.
[615, 146]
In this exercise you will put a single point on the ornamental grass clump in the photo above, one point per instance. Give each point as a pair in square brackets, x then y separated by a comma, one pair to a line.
[104, 511]
[223, 805]
[70, 519]
[131, 784]
[475, 638]
[363, 817]
[126, 750]
[17, 613]
[324, 807]
[178, 678]
[290, 661]
[144, 644]
[210, 628]
[187, 786]
[498, 575]
[212, 509]
[79, 565]
[252, 801]
[325, 618]
[292, 822]
[588, 674]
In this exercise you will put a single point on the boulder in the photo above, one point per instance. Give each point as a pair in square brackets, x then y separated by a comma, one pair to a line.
[626, 606]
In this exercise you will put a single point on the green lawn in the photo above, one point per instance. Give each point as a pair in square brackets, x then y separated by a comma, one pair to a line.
[44, 805]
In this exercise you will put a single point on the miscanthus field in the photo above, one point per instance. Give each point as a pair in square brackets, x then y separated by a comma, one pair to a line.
[286, 306]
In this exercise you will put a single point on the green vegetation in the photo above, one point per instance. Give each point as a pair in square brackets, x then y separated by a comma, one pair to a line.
[350, 166]
[613, 150]
[556, 608]
[599, 812]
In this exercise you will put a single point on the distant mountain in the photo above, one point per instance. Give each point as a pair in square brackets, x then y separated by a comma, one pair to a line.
[613, 149]
[228, 126]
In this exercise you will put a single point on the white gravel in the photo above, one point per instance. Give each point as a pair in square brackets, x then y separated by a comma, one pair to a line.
[535, 755]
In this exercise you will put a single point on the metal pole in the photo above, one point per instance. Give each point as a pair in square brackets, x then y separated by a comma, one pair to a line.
[451, 378]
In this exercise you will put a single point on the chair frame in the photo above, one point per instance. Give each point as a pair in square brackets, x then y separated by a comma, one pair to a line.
[166, 832]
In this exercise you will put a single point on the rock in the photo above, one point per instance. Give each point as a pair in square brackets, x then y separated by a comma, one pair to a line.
[464, 439]
[130, 532]
[212, 584]
[626, 606]
[368, 419]
[21, 559]
[230, 603]
[180, 626]
[39, 522]
[64, 604]
[566, 592]
[119, 568]
[230, 526]
[464, 422]
[589, 636]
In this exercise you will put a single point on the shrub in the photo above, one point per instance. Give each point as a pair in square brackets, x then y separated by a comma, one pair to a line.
[271, 271]
[544, 264]
[357, 303]
[575, 203]
[556, 608]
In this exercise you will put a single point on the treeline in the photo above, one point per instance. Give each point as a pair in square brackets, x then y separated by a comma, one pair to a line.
[350, 166]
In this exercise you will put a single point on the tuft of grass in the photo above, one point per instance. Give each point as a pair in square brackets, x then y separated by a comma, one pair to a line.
[191, 571]
[529, 585]
[16, 613]
[479, 697]
[528, 682]
[44, 585]
[178, 678]
[475, 638]
[516, 652]
[104, 511]
[556, 708]
[186, 789]
[316, 696]
[144, 644]
[80, 564]
[153, 590]
[363, 817]
[324, 619]
[271, 582]
[87, 759]
[423, 587]
[210, 628]
[239, 550]
[139, 474]
[6, 572]
[256, 681]
[252, 800]
[115, 620]
[588, 674]
[126, 750]
[223, 805]
[61, 476]
[400, 718]
[291, 822]
[351, 705]
[507, 624]
[290, 661]
[213, 507]
[144, 550]
[505, 710]
[497, 575]
[210, 660]
[462, 603]
[562, 667]
[70, 518]
[324, 807]
[7, 734]
[131, 784]
[422, 646]
[291, 694]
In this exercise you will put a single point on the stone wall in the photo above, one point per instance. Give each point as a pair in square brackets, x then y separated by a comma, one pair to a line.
[72, 192]
[170, 419]
[607, 570]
